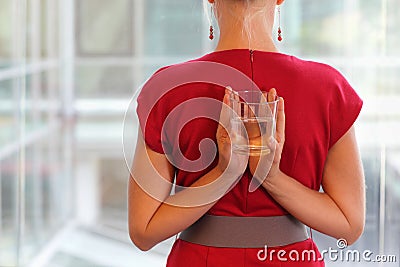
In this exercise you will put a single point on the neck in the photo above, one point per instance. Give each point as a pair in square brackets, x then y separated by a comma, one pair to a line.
[255, 34]
[230, 41]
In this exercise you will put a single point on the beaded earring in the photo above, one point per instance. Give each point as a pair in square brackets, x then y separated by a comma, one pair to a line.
[211, 27]
[279, 25]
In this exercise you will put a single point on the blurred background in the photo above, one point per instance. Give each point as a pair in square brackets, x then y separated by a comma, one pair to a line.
[68, 70]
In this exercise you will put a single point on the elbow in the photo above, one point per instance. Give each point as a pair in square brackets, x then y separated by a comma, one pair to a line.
[355, 233]
[140, 240]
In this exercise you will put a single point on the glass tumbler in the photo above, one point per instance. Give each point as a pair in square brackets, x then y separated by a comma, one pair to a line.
[253, 122]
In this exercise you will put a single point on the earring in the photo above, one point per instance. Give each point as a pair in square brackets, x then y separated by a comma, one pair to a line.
[279, 25]
[211, 27]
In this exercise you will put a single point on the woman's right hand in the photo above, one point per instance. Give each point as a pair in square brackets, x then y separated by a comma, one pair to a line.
[232, 163]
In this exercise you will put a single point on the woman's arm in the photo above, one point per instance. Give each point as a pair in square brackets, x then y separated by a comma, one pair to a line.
[151, 220]
[339, 211]
[154, 214]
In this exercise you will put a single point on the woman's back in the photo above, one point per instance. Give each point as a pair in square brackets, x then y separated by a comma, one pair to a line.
[315, 95]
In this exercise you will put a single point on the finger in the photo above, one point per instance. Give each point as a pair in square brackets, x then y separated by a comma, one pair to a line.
[272, 95]
[280, 122]
[228, 91]
[275, 151]
[234, 98]
[224, 115]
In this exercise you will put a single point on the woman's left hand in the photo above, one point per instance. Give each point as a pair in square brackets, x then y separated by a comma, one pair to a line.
[267, 166]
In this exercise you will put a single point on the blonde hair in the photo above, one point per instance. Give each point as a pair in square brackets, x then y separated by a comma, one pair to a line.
[251, 11]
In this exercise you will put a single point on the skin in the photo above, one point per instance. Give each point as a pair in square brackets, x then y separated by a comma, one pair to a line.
[339, 211]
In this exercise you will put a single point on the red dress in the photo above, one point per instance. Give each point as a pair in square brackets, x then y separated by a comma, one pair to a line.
[320, 107]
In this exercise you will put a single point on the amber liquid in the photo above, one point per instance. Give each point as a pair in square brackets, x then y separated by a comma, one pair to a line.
[255, 131]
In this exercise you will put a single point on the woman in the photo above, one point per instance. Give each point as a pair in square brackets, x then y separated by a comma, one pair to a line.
[315, 146]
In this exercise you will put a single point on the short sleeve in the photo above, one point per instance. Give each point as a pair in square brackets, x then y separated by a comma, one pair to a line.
[150, 125]
[152, 111]
[345, 107]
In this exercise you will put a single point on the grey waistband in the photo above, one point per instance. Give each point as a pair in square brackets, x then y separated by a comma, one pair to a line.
[245, 232]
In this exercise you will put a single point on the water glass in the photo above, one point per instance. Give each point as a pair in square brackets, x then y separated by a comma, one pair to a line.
[253, 122]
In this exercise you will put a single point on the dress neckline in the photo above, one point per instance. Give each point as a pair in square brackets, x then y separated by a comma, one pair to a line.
[247, 51]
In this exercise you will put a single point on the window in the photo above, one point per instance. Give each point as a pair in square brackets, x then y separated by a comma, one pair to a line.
[104, 28]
